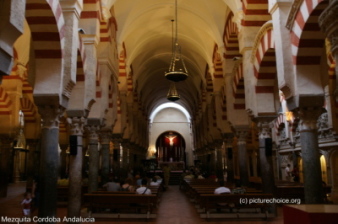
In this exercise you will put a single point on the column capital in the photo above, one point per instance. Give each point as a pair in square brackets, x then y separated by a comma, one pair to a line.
[93, 134]
[308, 118]
[264, 126]
[50, 115]
[77, 125]
[242, 133]
[105, 137]
[328, 22]
[72, 6]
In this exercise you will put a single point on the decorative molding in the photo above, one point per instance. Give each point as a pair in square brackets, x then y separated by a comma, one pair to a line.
[329, 24]
[292, 14]
[262, 31]
[77, 125]
[308, 118]
[50, 115]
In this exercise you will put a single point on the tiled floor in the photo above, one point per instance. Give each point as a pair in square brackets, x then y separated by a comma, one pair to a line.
[175, 208]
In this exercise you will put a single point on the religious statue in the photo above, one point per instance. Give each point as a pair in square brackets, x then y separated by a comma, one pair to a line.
[171, 138]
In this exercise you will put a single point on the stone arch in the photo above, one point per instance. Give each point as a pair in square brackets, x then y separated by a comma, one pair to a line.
[47, 24]
[307, 49]
[230, 38]
[238, 88]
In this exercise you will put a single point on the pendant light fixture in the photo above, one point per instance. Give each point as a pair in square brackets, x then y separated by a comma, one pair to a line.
[177, 70]
[173, 94]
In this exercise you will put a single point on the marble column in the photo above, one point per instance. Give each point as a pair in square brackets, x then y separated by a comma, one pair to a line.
[6, 145]
[265, 156]
[16, 165]
[117, 155]
[49, 160]
[31, 160]
[63, 160]
[93, 174]
[75, 168]
[229, 138]
[242, 156]
[310, 154]
[105, 144]
[328, 22]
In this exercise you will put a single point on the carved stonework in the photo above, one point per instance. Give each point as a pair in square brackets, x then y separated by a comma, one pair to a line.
[293, 12]
[329, 24]
[242, 135]
[77, 125]
[93, 133]
[105, 137]
[323, 121]
[308, 118]
[264, 129]
[50, 115]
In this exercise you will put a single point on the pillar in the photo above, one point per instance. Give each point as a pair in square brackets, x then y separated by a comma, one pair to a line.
[49, 162]
[16, 165]
[229, 156]
[242, 156]
[31, 160]
[265, 156]
[116, 138]
[105, 144]
[75, 166]
[5, 153]
[93, 175]
[310, 154]
[63, 160]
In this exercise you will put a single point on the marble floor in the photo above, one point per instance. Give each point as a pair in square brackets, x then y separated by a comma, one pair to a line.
[174, 208]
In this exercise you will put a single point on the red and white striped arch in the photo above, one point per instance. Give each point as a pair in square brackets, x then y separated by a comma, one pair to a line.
[264, 60]
[224, 103]
[47, 25]
[306, 37]
[218, 66]
[230, 38]
[5, 102]
[255, 12]
[28, 109]
[208, 79]
[238, 88]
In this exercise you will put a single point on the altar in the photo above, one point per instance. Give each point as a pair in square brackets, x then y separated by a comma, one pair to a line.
[173, 165]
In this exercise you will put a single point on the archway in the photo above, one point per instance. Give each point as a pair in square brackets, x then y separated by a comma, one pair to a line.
[170, 147]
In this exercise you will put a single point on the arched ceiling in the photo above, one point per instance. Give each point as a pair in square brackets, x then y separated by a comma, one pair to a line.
[145, 29]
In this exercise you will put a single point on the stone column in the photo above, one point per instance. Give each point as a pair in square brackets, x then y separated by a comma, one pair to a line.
[105, 144]
[31, 160]
[16, 165]
[116, 138]
[6, 145]
[75, 167]
[328, 22]
[242, 156]
[49, 160]
[310, 154]
[229, 137]
[265, 156]
[63, 160]
[93, 157]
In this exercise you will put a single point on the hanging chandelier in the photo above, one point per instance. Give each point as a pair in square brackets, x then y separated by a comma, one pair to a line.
[173, 94]
[177, 70]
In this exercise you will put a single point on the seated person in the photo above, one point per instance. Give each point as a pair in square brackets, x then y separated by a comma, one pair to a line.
[154, 182]
[127, 185]
[221, 189]
[143, 189]
[112, 185]
[189, 176]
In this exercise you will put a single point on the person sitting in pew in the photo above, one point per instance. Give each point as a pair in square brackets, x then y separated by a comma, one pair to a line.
[127, 185]
[238, 189]
[112, 185]
[221, 189]
[154, 182]
[143, 189]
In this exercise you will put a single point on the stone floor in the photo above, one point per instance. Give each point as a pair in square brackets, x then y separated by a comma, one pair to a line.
[175, 208]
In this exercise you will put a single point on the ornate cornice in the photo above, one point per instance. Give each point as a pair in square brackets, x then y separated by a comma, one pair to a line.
[328, 22]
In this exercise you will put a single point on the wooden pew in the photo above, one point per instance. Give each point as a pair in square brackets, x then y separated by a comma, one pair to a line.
[239, 202]
[123, 205]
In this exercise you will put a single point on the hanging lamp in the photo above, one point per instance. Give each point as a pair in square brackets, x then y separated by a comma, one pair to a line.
[177, 70]
[173, 94]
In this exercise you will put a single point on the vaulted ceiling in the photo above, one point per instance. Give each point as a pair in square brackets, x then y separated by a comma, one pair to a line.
[144, 29]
